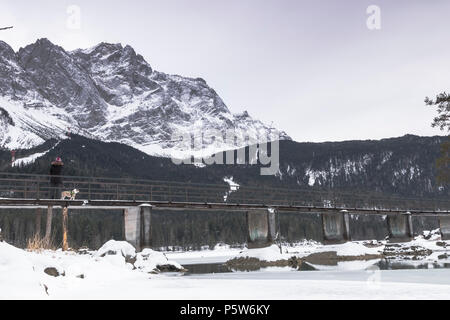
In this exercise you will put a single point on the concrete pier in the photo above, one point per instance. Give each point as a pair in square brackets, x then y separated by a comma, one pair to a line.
[132, 226]
[137, 226]
[400, 227]
[261, 226]
[146, 231]
[444, 224]
[336, 227]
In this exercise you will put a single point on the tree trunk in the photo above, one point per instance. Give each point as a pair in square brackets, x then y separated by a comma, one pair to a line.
[48, 228]
[65, 245]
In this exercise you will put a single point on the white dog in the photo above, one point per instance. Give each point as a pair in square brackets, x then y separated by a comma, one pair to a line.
[69, 194]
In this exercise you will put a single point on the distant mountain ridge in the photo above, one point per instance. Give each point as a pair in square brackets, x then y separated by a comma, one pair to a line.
[110, 93]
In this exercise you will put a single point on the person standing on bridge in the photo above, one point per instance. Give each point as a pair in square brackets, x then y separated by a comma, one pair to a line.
[56, 178]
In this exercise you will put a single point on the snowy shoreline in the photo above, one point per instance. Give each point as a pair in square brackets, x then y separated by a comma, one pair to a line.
[117, 271]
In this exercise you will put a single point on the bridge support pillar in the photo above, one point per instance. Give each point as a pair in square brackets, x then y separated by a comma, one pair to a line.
[132, 226]
[137, 226]
[261, 228]
[400, 227]
[444, 224]
[336, 227]
[146, 219]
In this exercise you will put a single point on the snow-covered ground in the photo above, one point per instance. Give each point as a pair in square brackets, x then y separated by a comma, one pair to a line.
[401, 284]
[116, 271]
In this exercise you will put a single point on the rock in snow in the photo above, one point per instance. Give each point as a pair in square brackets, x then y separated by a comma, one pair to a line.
[151, 261]
[121, 248]
[52, 271]
[110, 92]
[148, 260]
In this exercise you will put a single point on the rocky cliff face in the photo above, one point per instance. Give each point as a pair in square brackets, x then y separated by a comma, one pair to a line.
[109, 92]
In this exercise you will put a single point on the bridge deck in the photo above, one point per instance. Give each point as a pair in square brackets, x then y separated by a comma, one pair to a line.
[13, 203]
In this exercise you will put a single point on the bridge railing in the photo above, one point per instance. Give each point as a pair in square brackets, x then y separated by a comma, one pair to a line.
[31, 186]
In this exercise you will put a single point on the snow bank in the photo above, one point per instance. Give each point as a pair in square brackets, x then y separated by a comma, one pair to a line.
[220, 254]
[354, 248]
[429, 240]
[432, 235]
[17, 275]
[151, 261]
[348, 265]
[48, 273]
[121, 248]
[271, 253]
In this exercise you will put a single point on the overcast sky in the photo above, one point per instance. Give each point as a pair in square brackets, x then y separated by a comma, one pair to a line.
[312, 67]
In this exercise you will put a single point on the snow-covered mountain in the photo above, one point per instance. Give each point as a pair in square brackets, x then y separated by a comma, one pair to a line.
[110, 93]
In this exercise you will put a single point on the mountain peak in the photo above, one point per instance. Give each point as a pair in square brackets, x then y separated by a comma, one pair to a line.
[44, 41]
[6, 52]
[5, 47]
[244, 114]
[109, 92]
[40, 48]
[41, 43]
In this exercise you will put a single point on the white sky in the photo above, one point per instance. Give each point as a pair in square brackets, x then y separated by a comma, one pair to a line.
[312, 67]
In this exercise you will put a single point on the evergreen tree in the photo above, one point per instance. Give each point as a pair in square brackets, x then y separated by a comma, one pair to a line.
[442, 121]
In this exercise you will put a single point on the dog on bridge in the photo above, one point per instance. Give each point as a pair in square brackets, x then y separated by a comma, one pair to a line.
[69, 194]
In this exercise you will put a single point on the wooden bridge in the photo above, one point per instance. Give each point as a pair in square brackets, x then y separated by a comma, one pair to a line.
[138, 198]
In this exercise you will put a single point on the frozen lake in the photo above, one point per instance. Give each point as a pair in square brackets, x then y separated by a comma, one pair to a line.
[93, 275]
